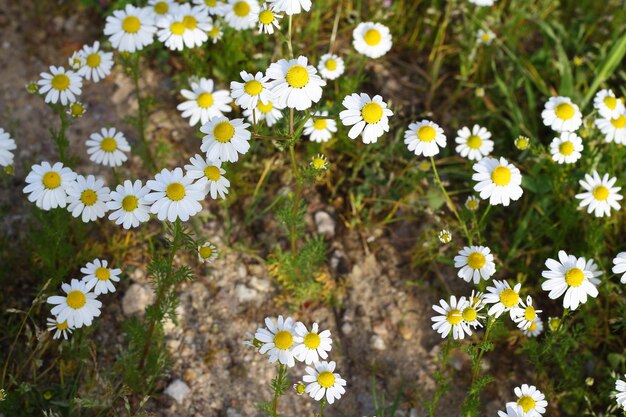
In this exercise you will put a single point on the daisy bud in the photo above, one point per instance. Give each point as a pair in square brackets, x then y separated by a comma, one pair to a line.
[522, 143]
[47, 395]
[319, 162]
[76, 109]
[10, 170]
[480, 92]
[299, 388]
[32, 87]
[3, 395]
[445, 236]
[423, 166]
[589, 381]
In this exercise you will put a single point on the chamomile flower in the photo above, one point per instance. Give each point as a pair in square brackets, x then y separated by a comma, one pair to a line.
[319, 128]
[445, 236]
[314, 344]
[369, 117]
[319, 162]
[47, 185]
[59, 329]
[131, 29]
[450, 318]
[210, 173]
[470, 314]
[371, 39]
[472, 203]
[207, 252]
[561, 115]
[290, 7]
[619, 266]
[87, 198]
[203, 103]
[278, 340]
[76, 109]
[162, 8]
[331, 66]
[7, 146]
[97, 63]
[484, 37]
[251, 91]
[322, 381]
[214, 7]
[554, 323]
[474, 144]
[76, 61]
[215, 33]
[267, 19]
[128, 205]
[570, 276]
[225, 139]
[567, 148]
[174, 195]
[99, 277]
[607, 105]
[238, 13]
[295, 84]
[620, 387]
[171, 31]
[60, 85]
[530, 401]
[503, 297]
[424, 138]
[535, 328]
[482, 2]
[614, 129]
[525, 313]
[107, 147]
[474, 263]
[78, 307]
[270, 112]
[522, 142]
[600, 195]
[498, 181]
[196, 23]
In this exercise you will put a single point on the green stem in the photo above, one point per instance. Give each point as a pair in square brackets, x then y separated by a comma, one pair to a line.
[289, 45]
[476, 365]
[282, 372]
[296, 200]
[440, 377]
[141, 113]
[60, 138]
[322, 404]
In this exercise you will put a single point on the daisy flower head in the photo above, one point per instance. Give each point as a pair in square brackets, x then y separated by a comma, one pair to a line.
[600, 195]
[530, 401]
[619, 266]
[561, 115]
[322, 381]
[369, 117]
[470, 313]
[482, 2]
[472, 203]
[99, 277]
[174, 195]
[424, 138]
[267, 19]
[171, 30]
[474, 263]
[620, 387]
[97, 64]
[128, 205]
[76, 109]
[207, 252]
[107, 147]
[567, 148]
[210, 173]
[76, 61]
[87, 198]
[568, 275]
[291, 7]
[535, 328]
[484, 37]
[251, 91]
[203, 103]
[215, 33]
[614, 129]
[331, 66]
[295, 84]
[503, 297]
[270, 112]
[214, 7]
[59, 329]
[78, 307]
[607, 105]
[239, 13]
[225, 139]
[522, 142]
[314, 344]
[554, 323]
[162, 8]
[60, 85]
[371, 39]
[525, 313]
[319, 162]
[47, 185]
[450, 318]
[278, 340]
[7, 146]
[319, 128]
[131, 29]
[474, 144]
[196, 23]
[445, 236]
[497, 180]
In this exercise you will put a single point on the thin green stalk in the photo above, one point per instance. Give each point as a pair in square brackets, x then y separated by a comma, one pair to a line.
[322, 404]
[59, 136]
[289, 34]
[441, 388]
[282, 372]
[141, 113]
[476, 365]
[296, 175]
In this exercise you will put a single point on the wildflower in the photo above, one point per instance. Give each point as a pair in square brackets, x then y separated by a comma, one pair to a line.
[323, 381]
[371, 39]
[267, 19]
[445, 236]
[299, 387]
[498, 181]
[213, 7]
[525, 314]
[207, 252]
[76, 109]
[561, 114]
[107, 147]
[225, 139]
[535, 328]
[503, 297]
[607, 105]
[567, 148]
[78, 307]
[569, 276]
[7, 146]
[319, 162]
[278, 340]
[238, 13]
[368, 117]
[620, 387]
[174, 195]
[291, 7]
[474, 304]
[99, 277]
[203, 103]
[472, 203]
[60, 85]
[614, 129]
[253, 90]
[424, 138]
[47, 185]
[32, 87]
[76, 61]
[87, 197]
[196, 23]
[450, 318]
[98, 63]
[484, 37]
[294, 83]
[319, 128]
[619, 266]
[530, 401]
[474, 263]
[482, 2]
[215, 33]
[128, 204]
[599, 194]
[474, 144]
[522, 143]
[162, 8]
[331, 66]
[270, 112]
[210, 173]
[131, 29]
[424, 166]
[59, 329]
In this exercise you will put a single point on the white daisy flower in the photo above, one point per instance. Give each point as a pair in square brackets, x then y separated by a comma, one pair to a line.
[503, 297]
[253, 89]
[620, 397]
[59, 329]
[207, 252]
[238, 13]
[78, 307]
[294, 83]
[607, 105]
[482, 2]
[484, 37]
[450, 318]
[171, 29]
[600, 194]
[472, 203]
[369, 117]
[331, 66]
[214, 7]
[474, 263]
[131, 29]
[278, 340]
[445, 236]
[196, 22]
[524, 314]
[322, 380]
[107, 147]
[530, 401]
[203, 103]
[498, 181]
[535, 328]
[225, 139]
[60, 85]
[267, 19]
[99, 277]
[162, 8]
[619, 266]
[473, 305]
[128, 205]
[290, 7]
[474, 144]
[97, 63]
[561, 115]
[174, 195]
[76, 61]
[567, 148]
[210, 173]
[371, 39]
[424, 138]
[319, 162]
[614, 129]
[215, 33]
[319, 128]
[76, 109]
[570, 276]
[87, 198]
[314, 344]
[510, 410]
[47, 185]
[7, 145]
[270, 112]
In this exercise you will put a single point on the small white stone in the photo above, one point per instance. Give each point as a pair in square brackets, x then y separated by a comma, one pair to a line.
[136, 299]
[178, 390]
[245, 294]
[378, 343]
[325, 224]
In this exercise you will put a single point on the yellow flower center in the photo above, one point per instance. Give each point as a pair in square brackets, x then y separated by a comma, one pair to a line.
[241, 8]
[476, 260]
[253, 87]
[264, 108]
[266, 17]
[426, 133]
[372, 37]
[205, 252]
[619, 122]
[93, 60]
[102, 273]
[130, 203]
[509, 298]
[88, 197]
[601, 193]
[205, 100]
[297, 76]
[51, 180]
[564, 111]
[574, 277]
[210, 3]
[331, 65]
[372, 112]
[454, 316]
[177, 28]
[319, 163]
[190, 22]
[161, 7]
[530, 313]
[223, 132]
[60, 82]
[131, 24]
[61, 326]
[77, 109]
[533, 326]
[566, 148]
[474, 141]
[320, 124]
[175, 191]
[485, 37]
[108, 144]
[469, 314]
[312, 340]
[610, 102]
[76, 299]
[283, 340]
[501, 176]
[212, 173]
[527, 403]
[215, 31]
[326, 379]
